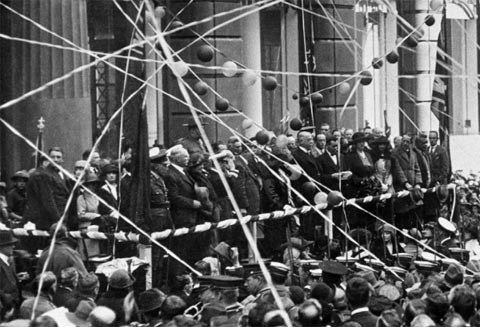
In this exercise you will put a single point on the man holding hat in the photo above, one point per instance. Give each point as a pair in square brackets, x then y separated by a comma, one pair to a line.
[10, 295]
[16, 196]
[193, 142]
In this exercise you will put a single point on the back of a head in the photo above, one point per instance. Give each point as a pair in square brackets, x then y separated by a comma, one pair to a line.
[69, 277]
[297, 294]
[422, 321]
[256, 314]
[62, 231]
[273, 319]
[350, 323]
[389, 318]
[437, 306]
[463, 301]
[322, 291]
[475, 321]
[310, 313]
[203, 267]
[102, 317]
[454, 320]
[358, 292]
[414, 308]
[172, 306]
[43, 321]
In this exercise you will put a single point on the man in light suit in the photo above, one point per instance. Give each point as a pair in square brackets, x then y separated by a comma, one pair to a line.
[439, 162]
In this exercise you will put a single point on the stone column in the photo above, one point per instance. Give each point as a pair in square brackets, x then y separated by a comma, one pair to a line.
[65, 106]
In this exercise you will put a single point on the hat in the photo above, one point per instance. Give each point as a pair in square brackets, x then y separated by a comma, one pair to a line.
[151, 299]
[317, 272]
[102, 315]
[402, 273]
[462, 255]
[333, 268]
[91, 177]
[121, 279]
[68, 274]
[21, 174]
[380, 140]
[279, 269]
[196, 159]
[298, 243]
[346, 260]
[310, 129]
[387, 228]
[6, 238]
[446, 225]
[442, 193]
[252, 269]
[49, 279]
[404, 259]
[87, 283]
[390, 292]
[225, 282]
[191, 122]
[453, 275]
[157, 155]
[359, 137]
[80, 316]
[425, 266]
[223, 250]
[109, 168]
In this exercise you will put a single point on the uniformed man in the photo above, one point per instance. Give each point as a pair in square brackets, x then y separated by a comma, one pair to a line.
[159, 208]
[255, 284]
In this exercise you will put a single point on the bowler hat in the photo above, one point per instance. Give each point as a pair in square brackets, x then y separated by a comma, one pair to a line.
[225, 282]
[6, 238]
[333, 268]
[453, 275]
[21, 174]
[150, 300]
[121, 279]
[359, 137]
[196, 159]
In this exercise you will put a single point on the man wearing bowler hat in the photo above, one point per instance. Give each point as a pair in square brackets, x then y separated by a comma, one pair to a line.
[10, 294]
[193, 142]
[16, 196]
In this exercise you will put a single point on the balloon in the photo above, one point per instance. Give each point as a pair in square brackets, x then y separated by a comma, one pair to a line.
[205, 53]
[392, 57]
[334, 198]
[247, 123]
[344, 88]
[429, 20]
[270, 83]
[304, 101]
[366, 77]
[262, 137]
[281, 141]
[222, 104]
[377, 63]
[176, 24]
[320, 198]
[296, 124]
[159, 12]
[316, 97]
[436, 4]
[179, 68]
[295, 96]
[249, 77]
[200, 88]
[229, 68]
[308, 189]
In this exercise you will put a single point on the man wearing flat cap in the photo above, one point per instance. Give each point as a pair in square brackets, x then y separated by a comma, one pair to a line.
[193, 141]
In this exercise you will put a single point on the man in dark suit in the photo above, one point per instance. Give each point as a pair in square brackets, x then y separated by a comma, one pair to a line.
[303, 156]
[47, 193]
[439, 162]
[329, 164]
[184, 207]
[358, 295]
[10, 295]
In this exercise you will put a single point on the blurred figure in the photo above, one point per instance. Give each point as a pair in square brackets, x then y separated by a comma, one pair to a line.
[16, 197]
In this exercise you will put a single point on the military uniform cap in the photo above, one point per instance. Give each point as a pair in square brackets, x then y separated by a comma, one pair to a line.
[447, 225]
[279, 269]
[333, 268]
[225, 282]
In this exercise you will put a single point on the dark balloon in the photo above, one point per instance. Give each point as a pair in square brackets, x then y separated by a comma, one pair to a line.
[222, 104]
[296, 124]
[205, 53]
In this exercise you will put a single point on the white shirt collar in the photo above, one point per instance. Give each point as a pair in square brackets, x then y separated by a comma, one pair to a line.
[4, 258]
[180, 169]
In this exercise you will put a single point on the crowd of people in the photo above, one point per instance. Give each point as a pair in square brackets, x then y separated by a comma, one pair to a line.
[392, 274]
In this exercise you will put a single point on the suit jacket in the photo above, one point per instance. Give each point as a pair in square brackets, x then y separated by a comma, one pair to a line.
[424, 165]
[308, 164]
[181, 194]
[405, 169]
[46, 199]
[439, 165]
[192, 145]
[365, 318]
[10, 296]
[247, 187]
[327, 168]
[360, 172]
[105, 193]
